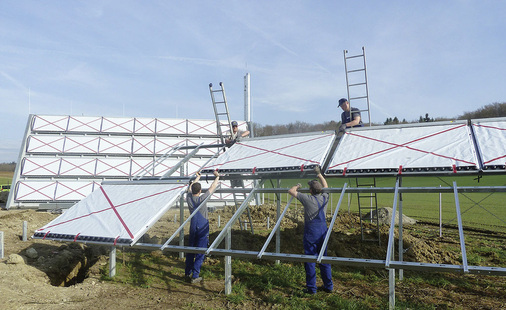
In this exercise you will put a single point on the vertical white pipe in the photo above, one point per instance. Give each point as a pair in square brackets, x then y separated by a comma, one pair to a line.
[25, 230]
[112, 262]
[1, 244]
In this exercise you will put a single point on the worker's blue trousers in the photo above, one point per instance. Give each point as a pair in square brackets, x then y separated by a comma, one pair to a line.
[314, 234]
[199, 237]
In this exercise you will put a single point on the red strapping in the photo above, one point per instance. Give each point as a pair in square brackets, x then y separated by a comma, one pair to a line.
[344, 170]
[46, 235]
[400, 169]
[254, 169]
[454, 168]
[116, 212]
[76, 237]
[116, 240]
[106, 209]
[302, 167]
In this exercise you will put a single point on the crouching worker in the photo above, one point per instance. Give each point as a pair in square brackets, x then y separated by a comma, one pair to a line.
[199, 226]
[315, 229]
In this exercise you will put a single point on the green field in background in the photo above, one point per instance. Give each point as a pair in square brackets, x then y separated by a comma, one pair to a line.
[6, 177]
[479, 210]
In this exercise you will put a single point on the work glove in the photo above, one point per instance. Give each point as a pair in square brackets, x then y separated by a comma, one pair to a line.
[317, 170]
[342, 128]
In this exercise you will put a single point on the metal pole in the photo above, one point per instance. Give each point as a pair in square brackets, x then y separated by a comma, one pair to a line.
[390, 247]
[401, 242]
[219, 221]
[181, 218]
[25, 229]
[228, 262]
[327, 236]
[440, 215]
[391, 289]
[1, 244]
[275, 229]
[278, 215]
[112, 262]
[461, 231]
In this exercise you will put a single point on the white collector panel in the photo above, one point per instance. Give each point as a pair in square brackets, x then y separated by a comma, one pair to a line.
[405, 149]
[491, 140]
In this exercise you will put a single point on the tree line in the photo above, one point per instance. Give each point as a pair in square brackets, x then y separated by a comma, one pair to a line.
[487, 111]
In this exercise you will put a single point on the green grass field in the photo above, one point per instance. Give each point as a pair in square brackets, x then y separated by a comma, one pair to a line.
[6, 177]
[479, 210]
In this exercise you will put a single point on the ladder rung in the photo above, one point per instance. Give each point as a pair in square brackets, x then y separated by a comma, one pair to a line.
[217, 90]
[363, 97]
[358, 84]
[356, 56]
[222, 113]
[357, 70]
[216, 102]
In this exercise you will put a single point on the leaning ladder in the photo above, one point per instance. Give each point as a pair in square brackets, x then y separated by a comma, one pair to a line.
[356, 82]
[220, 107]
[368, 204]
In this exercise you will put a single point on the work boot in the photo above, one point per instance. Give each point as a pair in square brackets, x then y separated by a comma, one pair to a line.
[308, 291]
[196, 280]
[322, 288]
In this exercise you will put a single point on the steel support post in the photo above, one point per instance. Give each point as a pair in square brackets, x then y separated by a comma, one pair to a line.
[274, 230]
[25, 230]
[391, 234]
[228, 262]
[181, 219]
[391, 289]
[278, 215]
[112, 262]
[234, 218]
[329, 231]
[1, 244]
[401, 242]
[461, 230]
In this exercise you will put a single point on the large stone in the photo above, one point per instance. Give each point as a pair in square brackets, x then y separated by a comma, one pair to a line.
[385, 217]
[15, 259]
[32, 253]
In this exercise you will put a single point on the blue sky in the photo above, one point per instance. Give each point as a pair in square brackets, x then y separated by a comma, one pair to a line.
[156, 58]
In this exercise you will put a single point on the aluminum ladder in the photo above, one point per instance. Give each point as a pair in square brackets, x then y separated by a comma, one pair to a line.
[356, 82]
[368, 203]
[221, 113]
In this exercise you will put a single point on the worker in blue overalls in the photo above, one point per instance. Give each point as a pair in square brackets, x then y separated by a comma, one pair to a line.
[199, 226]
[315, 229]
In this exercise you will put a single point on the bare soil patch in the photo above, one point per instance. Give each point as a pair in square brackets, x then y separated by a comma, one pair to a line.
[54, 278]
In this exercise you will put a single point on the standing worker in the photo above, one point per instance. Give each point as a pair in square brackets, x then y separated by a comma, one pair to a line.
[315, 229]
[199, 226]
[349, 118]
[236, 135]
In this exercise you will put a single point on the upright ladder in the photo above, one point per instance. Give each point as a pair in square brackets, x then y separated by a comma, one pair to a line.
[368, 204]
[356, 82]
[221, 110]
[222, 115]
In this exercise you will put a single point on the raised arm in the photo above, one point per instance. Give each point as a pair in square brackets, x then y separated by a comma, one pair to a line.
[194, 181]
[319, 175]
[293, 191]
[213, 186]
